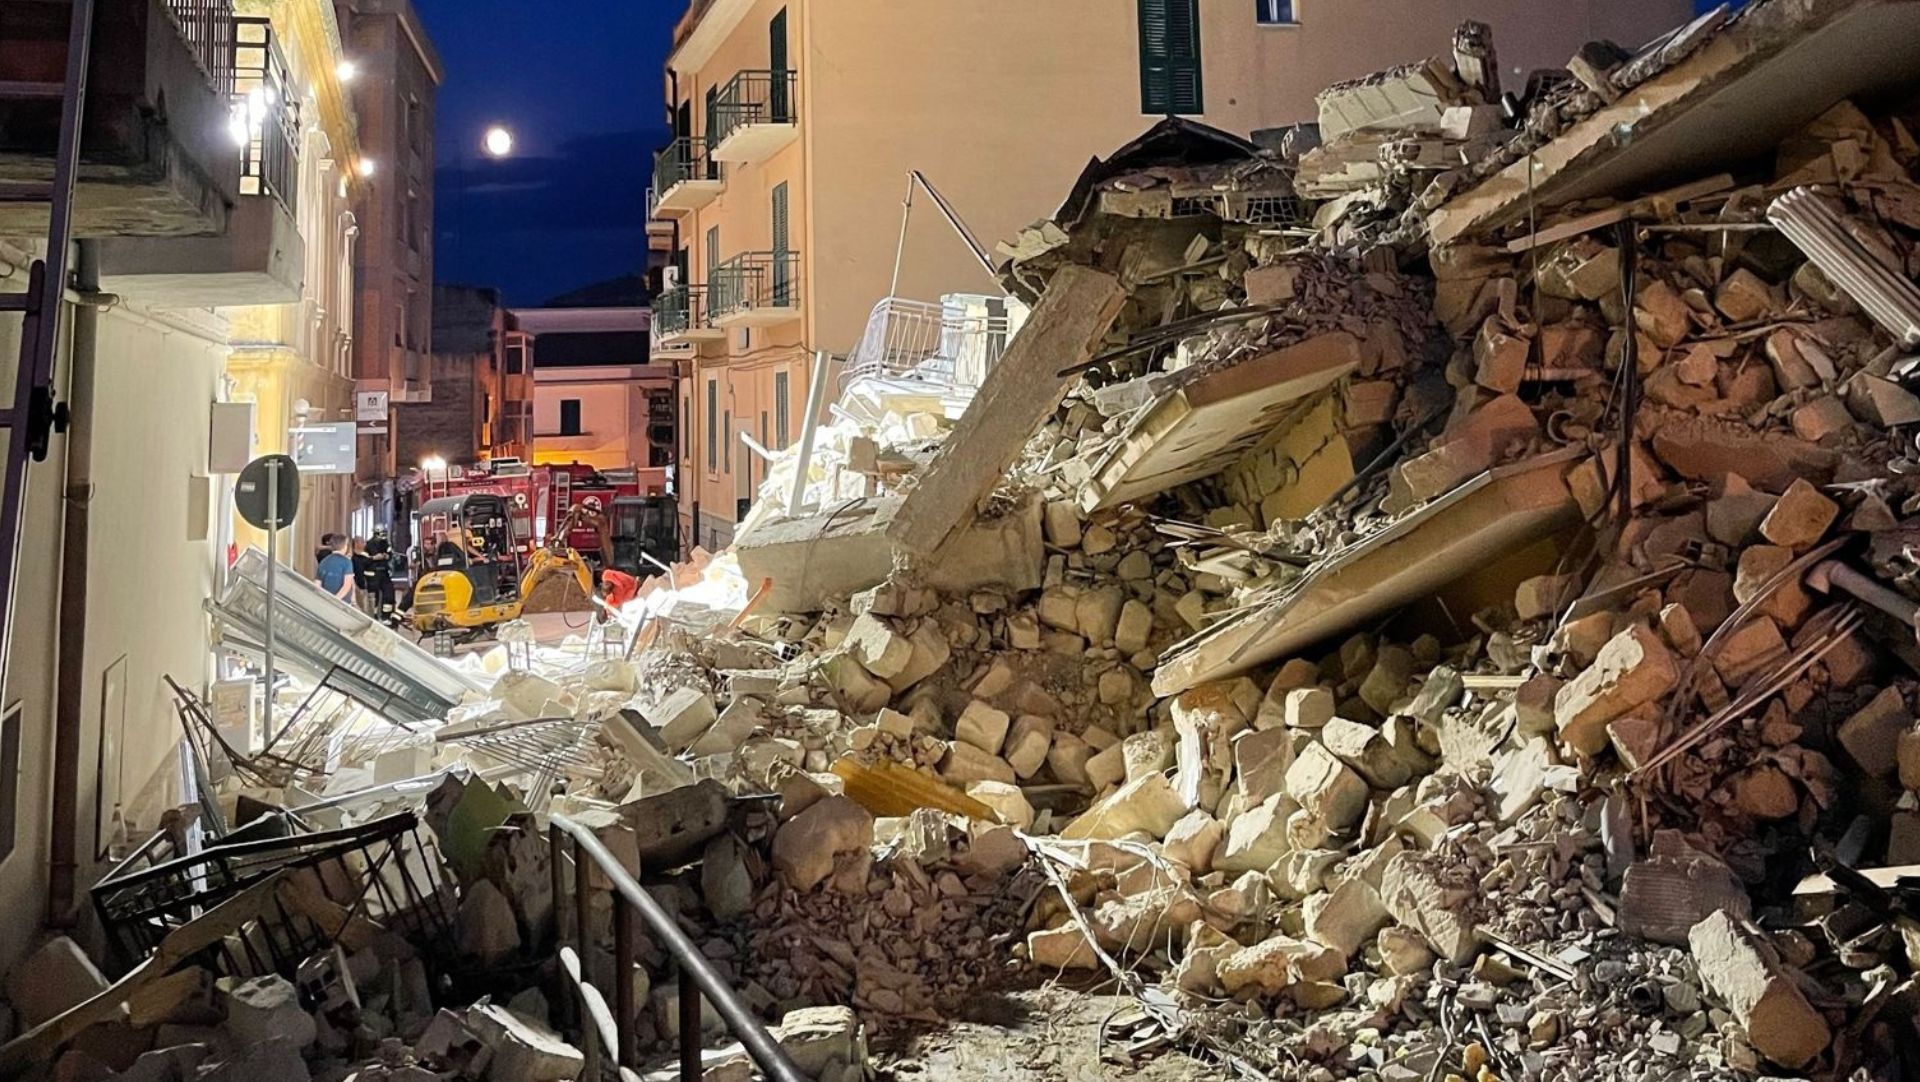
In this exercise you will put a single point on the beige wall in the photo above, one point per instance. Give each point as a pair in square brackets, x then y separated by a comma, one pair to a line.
[613, 414]
[153, 556]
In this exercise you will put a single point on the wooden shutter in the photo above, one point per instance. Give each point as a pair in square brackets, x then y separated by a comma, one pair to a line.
[777, 105]
[782, 270]
[1170, 57]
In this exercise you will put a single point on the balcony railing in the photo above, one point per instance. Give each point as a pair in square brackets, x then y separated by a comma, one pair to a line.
[681, 315]
[753, 103]
[207, 28]
[755, 289]
[267, 112]
[955, 342]
[685, 176]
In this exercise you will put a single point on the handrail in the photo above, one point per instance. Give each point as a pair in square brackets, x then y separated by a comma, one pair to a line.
[754, 96]
[697, 975]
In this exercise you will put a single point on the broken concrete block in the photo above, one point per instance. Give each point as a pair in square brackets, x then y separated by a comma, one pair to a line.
[1255, 838]
[1008, 803]
[1326, 788]
[1633, 669]
[268, 1007]
[1678, 628]
[1386, 683]
[1068, 757]
[1660, 314]
[1499, 359]
[1307, 708]
[931, 652]
[1743, 297]
[1765, 792]
[1346, 918]
[51, 980]
[1065, 947]
[523, 1049]
[1881, 402]
[1403, 951]
[805, 847]
[1748, 649]
[858, 691]
[1148, 753]
[277, 1059]
[880, 649]
[824, 1042]
[1278, 962]
[982, 726]
[1419, 897]
[1745, 972]
[1800, 518]
[1027, 744]
[964, 764]
[1107, 767]
[682, 716]
[670, 827]
[1545, 595]
[1821, 419]
[1135, 627]
[485, 926]
[1533, 704]
[1365, 749]
[1520, 777]
[1146, 804]
[726, 885]
[1260, 762]
[1096, 613]
[1063, 524]
[1872, 736]
[1193, 840]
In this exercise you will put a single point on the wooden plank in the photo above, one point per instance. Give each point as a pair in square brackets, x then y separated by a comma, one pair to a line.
[1022, 391]
[1206, 425]
[1500, 510]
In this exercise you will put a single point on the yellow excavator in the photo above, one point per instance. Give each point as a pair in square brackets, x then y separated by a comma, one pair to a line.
[474, 576]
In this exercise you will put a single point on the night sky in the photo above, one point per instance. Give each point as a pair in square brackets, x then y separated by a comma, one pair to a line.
[579, 84]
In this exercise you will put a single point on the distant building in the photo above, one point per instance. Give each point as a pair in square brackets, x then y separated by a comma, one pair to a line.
[481, 384]
[399, 74]
[597, 400]
[779, 192]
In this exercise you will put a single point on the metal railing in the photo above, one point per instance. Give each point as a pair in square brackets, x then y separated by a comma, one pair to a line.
[754, 97]
[206, 26]
[264, 104]
[601, 1028]
[678, 310]
[954, 342]
[753, 280]
[681, 160]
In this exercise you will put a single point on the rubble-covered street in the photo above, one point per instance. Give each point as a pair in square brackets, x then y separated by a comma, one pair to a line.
[1430, 594]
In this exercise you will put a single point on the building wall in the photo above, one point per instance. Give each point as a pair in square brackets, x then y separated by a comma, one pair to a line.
[153, 557]
[1006, 101]
[613, 414]
[393, 96]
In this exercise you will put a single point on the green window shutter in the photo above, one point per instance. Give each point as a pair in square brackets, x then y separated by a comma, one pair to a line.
[1170, 80]
[782, 263]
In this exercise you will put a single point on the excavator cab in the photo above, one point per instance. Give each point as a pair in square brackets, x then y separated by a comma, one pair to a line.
[644, 524]
[471, 574]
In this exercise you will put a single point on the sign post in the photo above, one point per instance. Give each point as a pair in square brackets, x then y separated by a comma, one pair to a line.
[267, 495]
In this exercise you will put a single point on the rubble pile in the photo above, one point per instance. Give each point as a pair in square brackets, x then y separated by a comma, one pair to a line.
[1396, 622]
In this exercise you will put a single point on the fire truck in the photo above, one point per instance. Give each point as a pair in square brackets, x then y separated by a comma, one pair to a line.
[539, 497]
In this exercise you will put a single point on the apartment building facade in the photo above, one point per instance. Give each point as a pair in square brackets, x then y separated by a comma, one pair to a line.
[210, 233]
[482, 384]
[795, 124]
[597, 400]
[398, 75]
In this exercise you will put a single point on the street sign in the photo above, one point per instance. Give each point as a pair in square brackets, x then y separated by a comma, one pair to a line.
[252, 492]
[370, 405]
[324, 448]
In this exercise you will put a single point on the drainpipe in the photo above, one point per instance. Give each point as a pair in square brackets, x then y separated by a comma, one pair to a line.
[70, 679]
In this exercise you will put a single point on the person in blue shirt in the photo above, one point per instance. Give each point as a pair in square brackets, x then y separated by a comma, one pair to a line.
[336, 568]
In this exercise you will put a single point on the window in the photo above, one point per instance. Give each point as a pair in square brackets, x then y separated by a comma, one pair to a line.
[726, 451]
[1170, 57]
[782, 262]
[1274, 13]
[777, 64]
[781, 411]
[686, 430]
[569, 417]
[713, 268]
[516, 356]
[400, 325]
[713, 433]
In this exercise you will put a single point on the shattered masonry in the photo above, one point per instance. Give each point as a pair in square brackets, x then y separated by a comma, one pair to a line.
[1397, 622]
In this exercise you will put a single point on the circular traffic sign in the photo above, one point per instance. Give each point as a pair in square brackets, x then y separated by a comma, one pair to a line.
[250, 492]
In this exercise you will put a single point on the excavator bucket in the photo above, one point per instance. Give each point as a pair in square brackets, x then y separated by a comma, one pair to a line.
[557, 584]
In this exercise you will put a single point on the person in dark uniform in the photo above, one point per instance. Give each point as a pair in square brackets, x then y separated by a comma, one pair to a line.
[380, 556]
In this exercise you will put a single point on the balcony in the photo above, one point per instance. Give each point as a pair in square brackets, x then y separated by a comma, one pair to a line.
[755, 114]
[158, 156]
[680, 318]
[755, 289]
[684, 178]
[259, 257]
[950, 346]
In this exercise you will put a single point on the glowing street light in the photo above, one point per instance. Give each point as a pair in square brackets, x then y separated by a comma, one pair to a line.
[498, 142]
[366, 167]
[346, 71]
[433, 464]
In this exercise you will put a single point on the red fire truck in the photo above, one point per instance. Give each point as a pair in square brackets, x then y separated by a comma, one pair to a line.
[540, 496]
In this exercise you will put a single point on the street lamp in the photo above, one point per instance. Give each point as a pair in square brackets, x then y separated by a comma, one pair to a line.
[433, 464]
[498, 142]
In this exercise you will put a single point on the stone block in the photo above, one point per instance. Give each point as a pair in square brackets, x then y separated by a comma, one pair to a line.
[682, 716]
[1753, 646]
[1027, 744]
[1307, 707]
[1008, 803]
[1745, 973]
[1260, 762]
[1873, 735]
[1135, 627]
[963, 764]
[51, 980]
[1255, 838]
[1420, 897]
[523, 1049]
[1633, 669]
[1545, 595]
[1326, 788]
[1065, 947]
[1146, 804]
[1800, 518]
[805, 847]
[265, 1008]
[982, 726]
[879, 648]
[1366, 750]
[1346, 918]
[1193, 841]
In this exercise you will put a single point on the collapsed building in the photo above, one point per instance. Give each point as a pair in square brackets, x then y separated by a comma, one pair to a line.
[1425, 594]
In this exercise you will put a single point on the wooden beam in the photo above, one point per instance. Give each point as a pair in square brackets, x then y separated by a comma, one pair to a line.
[1020, 393]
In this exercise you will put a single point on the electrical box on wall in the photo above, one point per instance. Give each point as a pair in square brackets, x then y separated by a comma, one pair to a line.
[230, 444]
